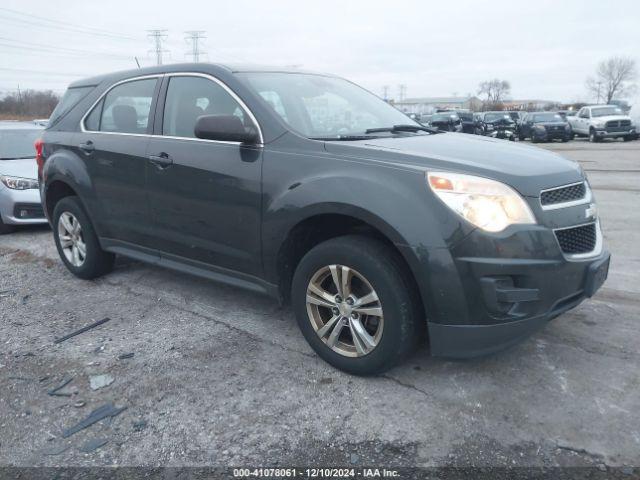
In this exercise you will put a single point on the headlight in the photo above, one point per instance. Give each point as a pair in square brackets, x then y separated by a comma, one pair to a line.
[598, 124]
[567, 127]
[487, 204]
[17, 183]
[540, 128]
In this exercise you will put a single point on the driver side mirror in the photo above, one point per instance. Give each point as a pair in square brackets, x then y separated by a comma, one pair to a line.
[225, 128]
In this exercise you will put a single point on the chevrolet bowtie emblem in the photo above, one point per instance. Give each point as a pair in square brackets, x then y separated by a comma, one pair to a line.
[591, 211]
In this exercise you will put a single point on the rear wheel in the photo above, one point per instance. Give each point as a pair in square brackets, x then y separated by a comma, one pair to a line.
[77, 242]
[356, 305]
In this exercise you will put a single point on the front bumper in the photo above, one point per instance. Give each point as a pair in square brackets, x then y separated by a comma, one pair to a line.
[551, 134]
[488, 291]
[551, 288]
[604, 133]
[21, 207]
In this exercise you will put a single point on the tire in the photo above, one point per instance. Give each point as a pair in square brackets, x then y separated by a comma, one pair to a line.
[592, 136]
[96, 262]
[396, 332]
[534, 140]
[565, 139]
[628, 138]
[5, 228]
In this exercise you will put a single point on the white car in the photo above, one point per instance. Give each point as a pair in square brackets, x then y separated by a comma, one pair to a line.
[603, 121]
[19, 195]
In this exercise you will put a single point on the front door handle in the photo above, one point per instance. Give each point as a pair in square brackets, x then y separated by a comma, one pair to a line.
[87, 147]
[161, 161]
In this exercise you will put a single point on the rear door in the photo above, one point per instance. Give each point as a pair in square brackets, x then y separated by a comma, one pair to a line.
[204, 195]
[113, 143]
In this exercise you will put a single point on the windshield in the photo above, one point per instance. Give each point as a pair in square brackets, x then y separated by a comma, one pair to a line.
[492, 117]
[604, 111]
[18, 144]
[319, 106]
[547, 117]
[444, 117]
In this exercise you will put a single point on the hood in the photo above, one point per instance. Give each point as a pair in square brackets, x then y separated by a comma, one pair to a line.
[24, 168]
[551, 124]
[525, 168]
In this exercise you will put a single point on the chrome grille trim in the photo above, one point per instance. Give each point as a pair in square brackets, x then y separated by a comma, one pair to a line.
[553, 206]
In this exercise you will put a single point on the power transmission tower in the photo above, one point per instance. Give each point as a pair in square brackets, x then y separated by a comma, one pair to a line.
[385, 92]
[194, 37]
[402, 91]
[158, 36]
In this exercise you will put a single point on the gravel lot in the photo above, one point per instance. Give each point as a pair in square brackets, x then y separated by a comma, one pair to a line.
[220, 376]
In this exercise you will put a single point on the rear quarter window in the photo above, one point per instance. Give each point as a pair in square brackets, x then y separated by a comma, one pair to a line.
[69, 100]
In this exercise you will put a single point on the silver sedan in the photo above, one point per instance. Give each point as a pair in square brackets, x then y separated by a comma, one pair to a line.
[19, 195]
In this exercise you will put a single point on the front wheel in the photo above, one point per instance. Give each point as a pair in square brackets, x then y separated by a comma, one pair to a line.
[356, 305]
[593, 138]
[77, 242]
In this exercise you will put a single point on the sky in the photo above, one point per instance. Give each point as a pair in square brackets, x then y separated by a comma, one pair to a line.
[545, 49]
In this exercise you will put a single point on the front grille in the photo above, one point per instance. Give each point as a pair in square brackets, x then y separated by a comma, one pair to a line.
[576, 240]
[618, 126]
[28, 211]
[564, 194]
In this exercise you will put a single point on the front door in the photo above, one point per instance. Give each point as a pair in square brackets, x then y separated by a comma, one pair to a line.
[204, 196]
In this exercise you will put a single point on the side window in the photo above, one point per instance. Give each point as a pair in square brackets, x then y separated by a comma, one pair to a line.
[125, 109]
[92, 122]
[191, 97]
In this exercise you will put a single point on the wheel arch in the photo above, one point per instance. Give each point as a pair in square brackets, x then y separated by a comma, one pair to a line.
[312, 230]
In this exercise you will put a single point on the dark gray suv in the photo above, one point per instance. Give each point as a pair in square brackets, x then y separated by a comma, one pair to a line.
[305, 187]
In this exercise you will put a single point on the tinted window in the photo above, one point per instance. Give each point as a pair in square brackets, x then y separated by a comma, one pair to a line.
[18, 143]
[126, 108]
[69, 100]
[191, 97]
[92, 122]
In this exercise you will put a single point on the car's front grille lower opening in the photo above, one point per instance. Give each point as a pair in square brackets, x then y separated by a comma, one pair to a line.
[569, 193]
[577, 240]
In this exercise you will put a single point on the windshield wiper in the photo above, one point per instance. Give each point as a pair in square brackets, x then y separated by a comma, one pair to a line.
[403, 128]
[343, 138]
[15, 158]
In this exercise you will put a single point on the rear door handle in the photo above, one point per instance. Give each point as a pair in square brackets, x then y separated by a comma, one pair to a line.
[87, 147]
[161, 161]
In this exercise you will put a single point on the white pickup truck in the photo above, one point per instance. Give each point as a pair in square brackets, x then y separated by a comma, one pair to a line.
[603, 121]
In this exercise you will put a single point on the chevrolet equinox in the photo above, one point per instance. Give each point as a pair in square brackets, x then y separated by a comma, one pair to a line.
[381, 232]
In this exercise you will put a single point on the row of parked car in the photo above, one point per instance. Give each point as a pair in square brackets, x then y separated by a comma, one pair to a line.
[595, 122]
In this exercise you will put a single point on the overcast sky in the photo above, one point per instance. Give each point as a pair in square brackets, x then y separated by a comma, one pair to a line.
[545, 49]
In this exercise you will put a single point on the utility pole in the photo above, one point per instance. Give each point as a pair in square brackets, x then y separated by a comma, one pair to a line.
[599, 85]
[194, 37]
[158, 36]
[385, 92]
[402, 90]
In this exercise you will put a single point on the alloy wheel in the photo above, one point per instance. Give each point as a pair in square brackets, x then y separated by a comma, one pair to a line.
[71, 239]
[344, 310]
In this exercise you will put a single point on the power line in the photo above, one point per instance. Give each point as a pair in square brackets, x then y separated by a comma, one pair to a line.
[59, 24]
[194, 37]
[158, 36]
[48, 48]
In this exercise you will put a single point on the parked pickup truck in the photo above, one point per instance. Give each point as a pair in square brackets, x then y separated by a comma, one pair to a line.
[603, 121]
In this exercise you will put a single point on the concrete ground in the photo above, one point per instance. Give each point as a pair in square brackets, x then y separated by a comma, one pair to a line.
[220, 376]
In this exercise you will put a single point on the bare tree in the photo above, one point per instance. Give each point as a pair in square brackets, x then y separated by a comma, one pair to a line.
[29, 103]
[614, 77]
[495, 91]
